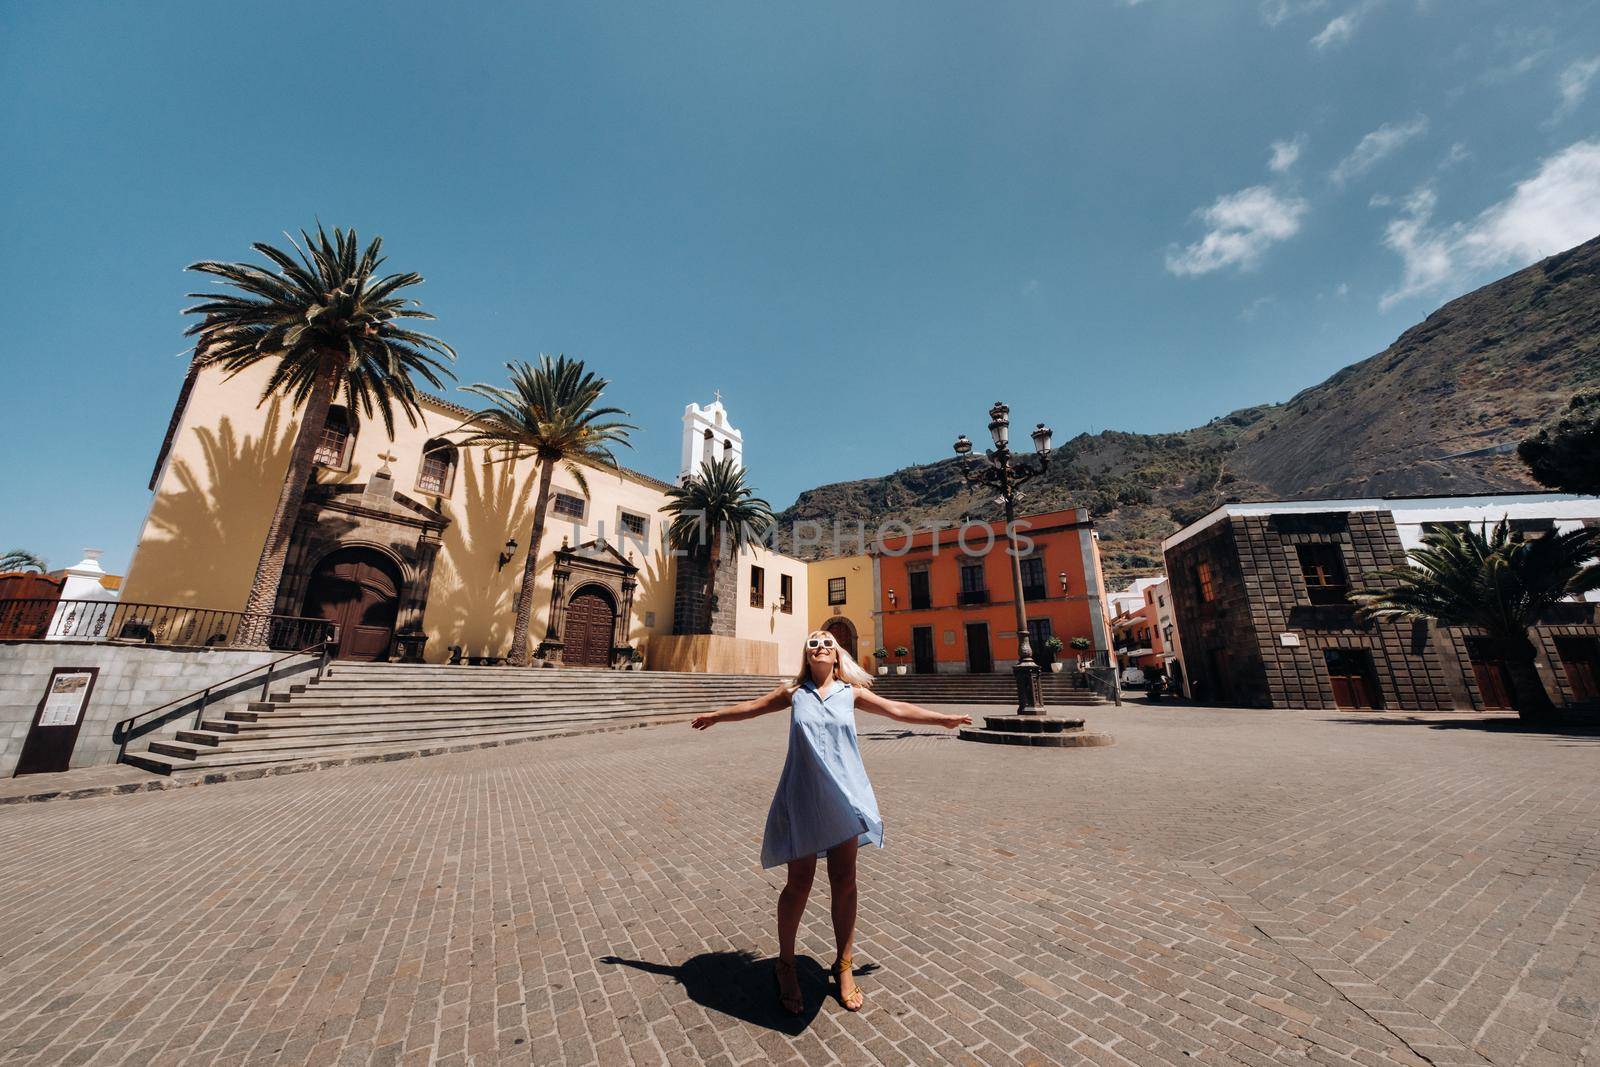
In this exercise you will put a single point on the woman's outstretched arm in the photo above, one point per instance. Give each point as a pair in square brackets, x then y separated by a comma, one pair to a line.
[867, 700]
[776, 700]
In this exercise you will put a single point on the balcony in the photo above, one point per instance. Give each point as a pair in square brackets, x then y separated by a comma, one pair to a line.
[1034, 592]
[972, 596]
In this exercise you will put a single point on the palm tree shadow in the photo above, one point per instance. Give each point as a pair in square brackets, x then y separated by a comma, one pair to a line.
[740, 985]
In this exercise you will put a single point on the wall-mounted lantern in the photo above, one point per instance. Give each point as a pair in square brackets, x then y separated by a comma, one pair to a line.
[891, 598]
[1063, 581]
[505, 557]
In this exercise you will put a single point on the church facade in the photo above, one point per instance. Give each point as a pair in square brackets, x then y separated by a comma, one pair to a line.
[416, 547]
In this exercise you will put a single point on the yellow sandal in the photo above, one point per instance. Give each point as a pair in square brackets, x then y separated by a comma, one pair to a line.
[842, 966]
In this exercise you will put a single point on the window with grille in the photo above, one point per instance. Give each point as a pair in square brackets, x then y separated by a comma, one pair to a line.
[634, 525]
[1039, 631]
[973, 591]
[757, 587]
[1202, 581]
[1322, 567]
[786, 594]
[568, 505]
[334, 449]
[1033, 587]
[920, 597]
[835, 591]
[438, 472]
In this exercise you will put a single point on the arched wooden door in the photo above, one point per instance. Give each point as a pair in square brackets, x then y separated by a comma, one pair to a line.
[357, 589]
[591, 622]
[844, 632]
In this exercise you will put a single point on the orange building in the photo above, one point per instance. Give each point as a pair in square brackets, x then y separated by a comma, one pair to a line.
[946, 595]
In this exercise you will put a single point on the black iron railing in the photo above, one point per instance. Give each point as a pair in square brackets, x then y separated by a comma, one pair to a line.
[973, 596]
[130, 728]
[156, 624]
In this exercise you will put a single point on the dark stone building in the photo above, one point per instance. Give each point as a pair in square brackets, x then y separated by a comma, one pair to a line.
[1261, 595]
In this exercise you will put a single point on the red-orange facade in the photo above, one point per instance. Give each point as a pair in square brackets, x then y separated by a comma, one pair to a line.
[946, 596]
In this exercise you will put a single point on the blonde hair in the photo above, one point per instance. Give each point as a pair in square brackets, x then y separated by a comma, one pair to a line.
[845, 667]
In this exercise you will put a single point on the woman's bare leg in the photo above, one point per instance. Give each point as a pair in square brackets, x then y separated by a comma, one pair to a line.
[842, 886]
[791, 906]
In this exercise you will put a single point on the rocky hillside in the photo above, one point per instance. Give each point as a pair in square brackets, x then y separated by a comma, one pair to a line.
[1475, 374]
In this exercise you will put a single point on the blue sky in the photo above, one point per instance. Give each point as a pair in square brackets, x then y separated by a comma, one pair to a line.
[863, 223]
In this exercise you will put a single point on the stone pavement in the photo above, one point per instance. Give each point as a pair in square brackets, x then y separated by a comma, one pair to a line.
[1219, 887]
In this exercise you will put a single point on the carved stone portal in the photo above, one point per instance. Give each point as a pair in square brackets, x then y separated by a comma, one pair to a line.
[591, 601]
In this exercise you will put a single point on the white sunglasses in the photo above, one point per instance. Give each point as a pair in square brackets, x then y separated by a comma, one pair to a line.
[820, 642]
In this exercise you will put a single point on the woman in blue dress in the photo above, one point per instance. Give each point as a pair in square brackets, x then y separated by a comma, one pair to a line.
[824, 805]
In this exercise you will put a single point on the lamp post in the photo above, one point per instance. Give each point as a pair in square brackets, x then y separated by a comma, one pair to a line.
[1006, 471]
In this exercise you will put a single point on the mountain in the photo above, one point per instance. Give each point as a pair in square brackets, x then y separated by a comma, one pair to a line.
[1474, 375]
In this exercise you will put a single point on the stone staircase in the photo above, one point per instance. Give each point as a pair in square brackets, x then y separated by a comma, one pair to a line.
[371, 709]
[1059, 689]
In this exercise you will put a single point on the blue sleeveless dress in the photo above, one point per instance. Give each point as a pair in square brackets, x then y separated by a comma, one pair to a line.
[823, 796]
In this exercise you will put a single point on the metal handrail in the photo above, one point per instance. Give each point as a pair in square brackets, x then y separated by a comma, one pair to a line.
[123, 730]
[1102, 684]
[41, 618]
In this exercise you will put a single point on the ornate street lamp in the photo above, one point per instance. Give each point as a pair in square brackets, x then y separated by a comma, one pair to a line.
[1006, 471]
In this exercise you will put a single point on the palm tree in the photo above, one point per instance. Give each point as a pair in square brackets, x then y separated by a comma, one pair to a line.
[20, 560]
[1498, 583]
[549, 413]
[715, 503]
[328, 324]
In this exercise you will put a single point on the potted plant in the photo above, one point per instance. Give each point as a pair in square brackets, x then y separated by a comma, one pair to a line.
[635, 659]
[1052, 647]
[900, 652]
[880, 656]
[1080, 645]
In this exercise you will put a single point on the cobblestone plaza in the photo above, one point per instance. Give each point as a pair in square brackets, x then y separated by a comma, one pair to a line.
[1218, 887]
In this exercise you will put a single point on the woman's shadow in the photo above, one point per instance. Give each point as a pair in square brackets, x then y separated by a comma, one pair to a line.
[744, 986]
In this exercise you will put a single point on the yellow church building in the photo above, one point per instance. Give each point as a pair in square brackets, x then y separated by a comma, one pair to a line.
[416, 547]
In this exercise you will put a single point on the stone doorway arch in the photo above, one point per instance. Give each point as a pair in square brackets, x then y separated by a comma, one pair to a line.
[603, 582]
[844, 632]
[358, 590]
[590, 625]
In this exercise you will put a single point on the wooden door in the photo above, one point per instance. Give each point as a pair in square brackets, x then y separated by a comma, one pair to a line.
[1350, 675]
[1580, 656]
[979, 659]
[358, 590]
[844, 633]
[590, 623]
[922, 650]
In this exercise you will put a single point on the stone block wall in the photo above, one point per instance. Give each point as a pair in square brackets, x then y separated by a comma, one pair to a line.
[1261, 595]
[132, 678]
[689, 607]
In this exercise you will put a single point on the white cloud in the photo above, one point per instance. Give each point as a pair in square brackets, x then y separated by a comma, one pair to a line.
[1378, 146]
[1341, 28]
[1555, 209]
[1242, 226]
[1573, 85]
[1252, 311]
[1274, 12]
[1284, 153]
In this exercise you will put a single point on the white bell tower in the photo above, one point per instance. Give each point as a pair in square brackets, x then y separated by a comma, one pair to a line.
[708, 435]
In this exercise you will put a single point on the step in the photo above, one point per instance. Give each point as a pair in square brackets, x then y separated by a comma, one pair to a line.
[1062, 740]
[1031, 724]
[259, 714]
[276, 733]
[166, 764]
